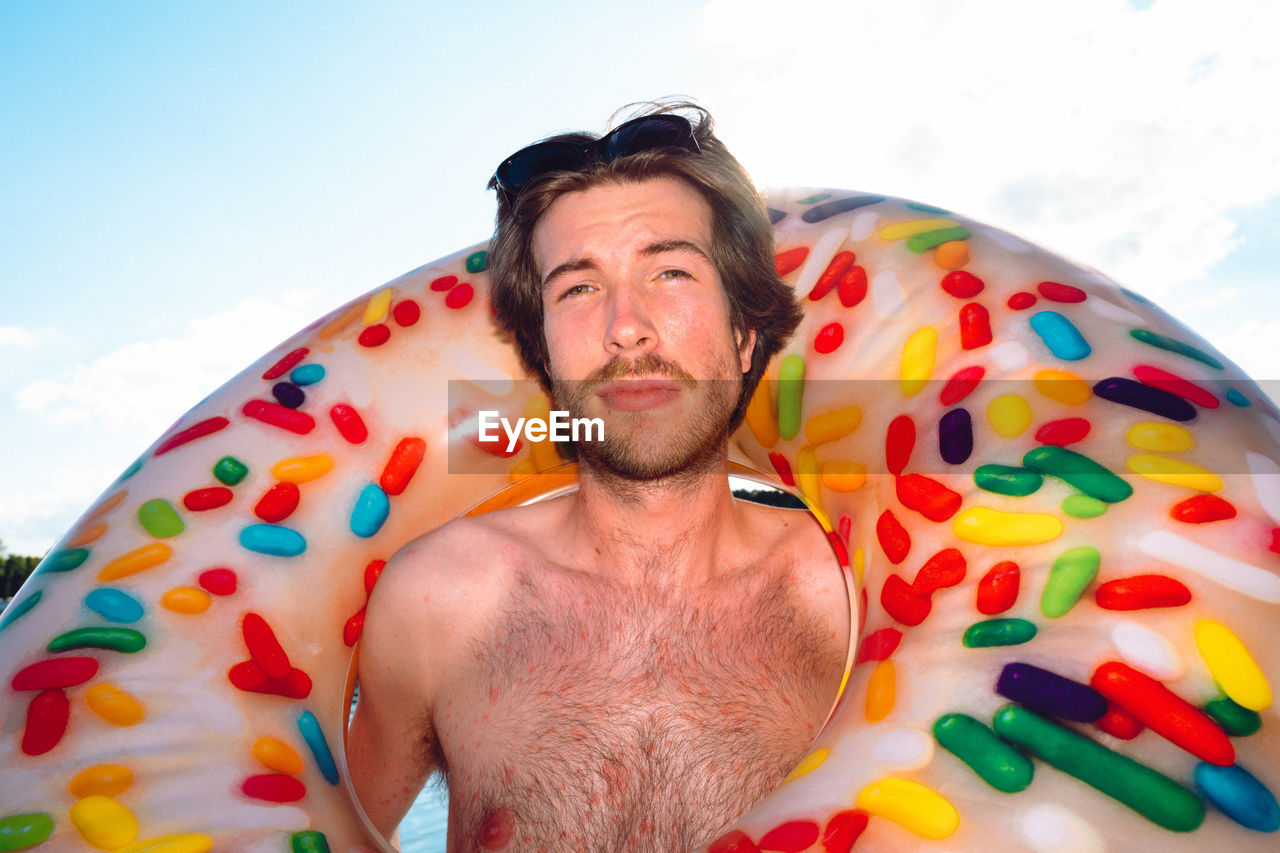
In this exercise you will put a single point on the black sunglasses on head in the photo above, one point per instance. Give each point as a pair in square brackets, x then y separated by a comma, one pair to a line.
[632, 137]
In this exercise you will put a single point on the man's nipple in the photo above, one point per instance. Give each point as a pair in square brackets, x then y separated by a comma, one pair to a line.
[496, 829]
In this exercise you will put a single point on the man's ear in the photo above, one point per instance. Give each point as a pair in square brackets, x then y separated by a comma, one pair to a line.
[746, 348]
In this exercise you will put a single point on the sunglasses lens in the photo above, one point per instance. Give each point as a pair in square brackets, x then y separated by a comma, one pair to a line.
[538, 160]
[645, 134]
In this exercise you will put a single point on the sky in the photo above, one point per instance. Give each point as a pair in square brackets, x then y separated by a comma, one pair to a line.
[183, 185]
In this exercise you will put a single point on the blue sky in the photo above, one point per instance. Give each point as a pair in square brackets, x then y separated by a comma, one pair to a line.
[185, 184]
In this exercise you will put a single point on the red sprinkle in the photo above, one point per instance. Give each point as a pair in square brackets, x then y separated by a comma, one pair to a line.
[444, 282]
[790, 260]
[852, 287]
[927, 496]
[406, 312]
[199, 500]
[900, 440]
[944, 569]
[1063, 432]
[1274, 547]
[274, 788]
[284, 365]
[263, 646]
[895, 541]
[351, 631]
[349, 423]
[1057, 292]
[1118, 722]
[961, 384]
[783, 467]
[55, 673]
[47, 718]
[843, 831]
[1201, 509]
[371, 574]
[975, 326]
[278, 416]
[1142, 592]
[998, 589]
[733, 841]
[375, 335]
[837, 545]
[961, 284]
[218, 581]
[1021, 300]
[790, 837]
[901, 602]
[878, 645]
[251, 678]
[1174, 384]
[402, 465]
[460, 296]
[1165, 713]
[278, 502]
[839, 266]
[829, 338]
[191, 433]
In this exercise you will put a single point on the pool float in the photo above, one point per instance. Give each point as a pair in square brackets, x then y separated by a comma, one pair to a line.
[1058, 511]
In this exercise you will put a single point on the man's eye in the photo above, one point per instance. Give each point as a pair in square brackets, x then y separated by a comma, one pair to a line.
[673, 274]
[576, 290]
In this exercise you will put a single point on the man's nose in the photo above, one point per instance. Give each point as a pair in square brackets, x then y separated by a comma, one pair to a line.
[631, 327]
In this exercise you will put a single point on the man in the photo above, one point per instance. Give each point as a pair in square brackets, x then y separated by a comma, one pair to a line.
[633, 666]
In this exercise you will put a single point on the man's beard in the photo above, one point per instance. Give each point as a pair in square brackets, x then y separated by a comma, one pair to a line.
[635, 447]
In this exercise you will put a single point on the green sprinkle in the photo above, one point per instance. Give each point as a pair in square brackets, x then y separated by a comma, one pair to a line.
[1071, 573]
[998, 764]
[308, 842]
[13, 612]
[930, 239]
[1007, 480]
[124, 640]
[65, 561]
[23, 831]
[1151, 794]
[229, 470]
[925, 208]
[1236, 720]
[477, 261]
[1083, 506]
[160, 519]
[1079, 471]
[814, 199]
[1169, 344]
[790, 395]
[998, 632]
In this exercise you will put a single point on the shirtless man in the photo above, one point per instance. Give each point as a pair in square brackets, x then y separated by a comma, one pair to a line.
[633, 666]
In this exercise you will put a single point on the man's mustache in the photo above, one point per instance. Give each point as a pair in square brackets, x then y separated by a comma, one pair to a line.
[646, 365]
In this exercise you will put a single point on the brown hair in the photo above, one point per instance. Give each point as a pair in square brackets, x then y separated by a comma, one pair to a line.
[741, 242]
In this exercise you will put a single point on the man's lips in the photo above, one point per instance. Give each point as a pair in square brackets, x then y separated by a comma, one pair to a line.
[631, 395]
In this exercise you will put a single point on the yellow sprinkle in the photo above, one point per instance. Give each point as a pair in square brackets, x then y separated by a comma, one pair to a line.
[807, 477]
[106, 780]
[843, 476]
[808, 764]
[1231, 665]
[859, 564]
[103, 822]
[902, 230]
[760, 419]
[910, 805]
[146, 557]
[89, 534]
[1009, 415]
[114, 705]
[302, 469]
[881, 689]
[275, 754]
[185, 599]
[1174, 472]
[186, 843]
[376, 310]
[1063, 386]
[952, 255]
[1162, 438]
[985, 526]
[832, 425]
[918, 356]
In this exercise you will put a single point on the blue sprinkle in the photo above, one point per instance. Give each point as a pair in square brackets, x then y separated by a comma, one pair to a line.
[1239, 796]
[308, 374]
[13, 612]
[309, 726]
[955, 436]
[65, 561]
[372, 509]
[273, 539]
[1049, 693]
[114, 605]
[131, 470]
[1136, 297]
[1238, 399]
[1063, 339]
[832, 208]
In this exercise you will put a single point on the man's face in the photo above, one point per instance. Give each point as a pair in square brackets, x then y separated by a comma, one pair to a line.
[637, 325]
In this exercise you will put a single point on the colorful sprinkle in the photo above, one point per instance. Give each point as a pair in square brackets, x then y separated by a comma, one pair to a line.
[1009, 415]
[1146, 650]
[918, 356]
[1202, 509]
[1061, 337]
[984, 526]
[1174, 472]
[313, 736]
[1236, 720]
[1078, 470]
[64, 561]
[114, 605]
[370, 512]
[1063, 432]
[230, 471]
[832, 425]
[1239, 795]
[962, 284]
[1231, 665]
[829, 338]
[955, 436]
[1083, 506]
[998, 632]
[1071, 573]
[47, 718]
[203, 500]
[1170, 345]
[1049, 693]
[278, 502]
[191, 433]
[1174, 384]
[276, 415]
[160, 519]
[790, 396]
[302, 469]
[1062, 386]
[285, 364]
[1056, 292]
[821, 212]
[273, 539]
[274, 788]
[927, 496]
[55, 672]
[1165, 713]
[106, 780]
[911, 805]
[996, 763]
[124, 640]
[309, 841]
[1145, 398]
[975, 326]
[23, 831]
[1142, 592]
[349, 423]
[288, 395]
[114, 705]
[998, 588]
[140, 560]
[1007, 480]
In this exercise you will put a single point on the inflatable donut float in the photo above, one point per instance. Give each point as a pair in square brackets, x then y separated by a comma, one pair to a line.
[1058, 511]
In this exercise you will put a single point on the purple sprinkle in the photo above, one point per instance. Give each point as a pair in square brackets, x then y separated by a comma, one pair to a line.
[955, 436]
[1126, 392]
[1050, 693]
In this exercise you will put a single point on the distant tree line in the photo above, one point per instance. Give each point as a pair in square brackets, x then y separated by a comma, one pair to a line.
[13, 571]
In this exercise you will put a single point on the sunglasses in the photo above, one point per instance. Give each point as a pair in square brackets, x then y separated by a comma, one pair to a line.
[632, 137]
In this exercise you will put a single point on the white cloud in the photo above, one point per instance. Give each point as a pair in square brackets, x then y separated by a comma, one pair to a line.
[1252, 345]
[13, 336]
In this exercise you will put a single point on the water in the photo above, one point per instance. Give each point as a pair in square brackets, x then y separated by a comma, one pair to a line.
[424, 828]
